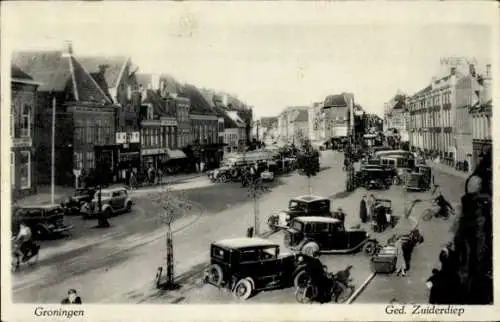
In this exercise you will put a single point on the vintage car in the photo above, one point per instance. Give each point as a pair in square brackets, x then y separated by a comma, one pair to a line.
[307, 205]
[246, 265]
[328, 235]
[74, 203]
[420, 179]
[114, 201]
[375, 177]
[383, 215]
[44, 220]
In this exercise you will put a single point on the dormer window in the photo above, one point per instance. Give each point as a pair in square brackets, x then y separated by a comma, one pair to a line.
[150, 113]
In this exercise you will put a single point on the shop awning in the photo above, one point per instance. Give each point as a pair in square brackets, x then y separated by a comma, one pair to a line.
[176, 154]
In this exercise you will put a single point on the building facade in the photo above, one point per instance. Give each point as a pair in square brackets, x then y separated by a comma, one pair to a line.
[396, 117]
[158, 132]
[85, 117]
[287, 126]
[482, 114]
[117, 78]
[317, 122]
[22, 154]
[432, 113]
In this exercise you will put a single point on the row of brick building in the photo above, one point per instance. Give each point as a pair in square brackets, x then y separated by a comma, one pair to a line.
[110, 118]
[450, 118]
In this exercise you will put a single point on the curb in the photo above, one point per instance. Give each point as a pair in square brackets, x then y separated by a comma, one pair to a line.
[363, 286]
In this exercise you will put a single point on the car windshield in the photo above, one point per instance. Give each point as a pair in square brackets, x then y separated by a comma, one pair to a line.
[296, 205]
[297, 225]
[321, 205]
[104, 194]
[269, 252]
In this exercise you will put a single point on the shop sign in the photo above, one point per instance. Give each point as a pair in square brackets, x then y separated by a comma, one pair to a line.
[22, 143]
[168, 121]
[128, 137]
[154, 151]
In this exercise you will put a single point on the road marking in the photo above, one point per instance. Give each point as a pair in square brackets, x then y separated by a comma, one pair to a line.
[361, 288]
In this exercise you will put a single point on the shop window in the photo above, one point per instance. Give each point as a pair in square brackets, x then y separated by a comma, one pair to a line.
[150, 112]
[26, 121]
[90, 160]
[78, 160]
[25, 169]
[90, 132]
[99, 132]
[13, 169]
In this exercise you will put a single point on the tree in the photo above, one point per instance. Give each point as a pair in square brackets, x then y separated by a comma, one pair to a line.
[172, 207]
[255, 189]
[308, 163]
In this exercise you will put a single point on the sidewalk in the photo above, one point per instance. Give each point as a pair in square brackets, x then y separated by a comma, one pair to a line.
[43, 196]
[449, 170]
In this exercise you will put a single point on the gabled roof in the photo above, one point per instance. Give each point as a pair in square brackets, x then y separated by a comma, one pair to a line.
[268, 121]
[302, 116]
[208, 96]
[16, 72]
[114, 67]
[236, 118]
[229, 123]
[60, 73]
[159, 104]
[335, 101]
[198, 103]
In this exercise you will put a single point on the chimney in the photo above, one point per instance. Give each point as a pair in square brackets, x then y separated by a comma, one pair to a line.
[453, 70]
[102, 68]
[472, 70]
[488, 70]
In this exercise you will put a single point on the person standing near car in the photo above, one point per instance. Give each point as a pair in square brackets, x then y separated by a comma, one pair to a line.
[363, 209]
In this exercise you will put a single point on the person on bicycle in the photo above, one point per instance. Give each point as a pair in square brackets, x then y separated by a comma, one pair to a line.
[444, 205]
[24, 239]
[319, 277]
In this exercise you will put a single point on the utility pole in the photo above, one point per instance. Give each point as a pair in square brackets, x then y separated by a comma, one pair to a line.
[53, 154]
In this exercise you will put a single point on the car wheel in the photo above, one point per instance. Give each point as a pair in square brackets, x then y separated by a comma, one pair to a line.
[243, 289]
[310, 248]
[214, 275]
[129, 206]
[369, 248]
[300, 279]
[305, 295]
[223, 178]
[342, 293]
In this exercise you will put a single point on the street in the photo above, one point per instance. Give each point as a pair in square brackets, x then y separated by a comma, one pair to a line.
[118, 264]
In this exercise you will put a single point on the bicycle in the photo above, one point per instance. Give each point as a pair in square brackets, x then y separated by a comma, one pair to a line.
[433, 211]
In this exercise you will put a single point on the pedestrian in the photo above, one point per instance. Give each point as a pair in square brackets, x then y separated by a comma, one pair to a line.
[370, 205]
[340, 215]
[400, 261]
[363, 210]
[133, 180]
[72, 298]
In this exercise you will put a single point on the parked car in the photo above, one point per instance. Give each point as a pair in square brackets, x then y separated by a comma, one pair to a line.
[324, 234]
[246, 265]
[420, 179]
[307, 205]
[74, 203]
[114, 201]
[44, 220]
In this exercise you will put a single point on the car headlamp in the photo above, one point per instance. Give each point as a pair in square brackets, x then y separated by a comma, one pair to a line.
[300, 258]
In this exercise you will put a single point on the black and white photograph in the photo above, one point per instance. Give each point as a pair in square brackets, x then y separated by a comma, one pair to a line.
[309, 154]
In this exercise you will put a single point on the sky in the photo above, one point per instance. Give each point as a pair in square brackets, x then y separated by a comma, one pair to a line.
[269, 55]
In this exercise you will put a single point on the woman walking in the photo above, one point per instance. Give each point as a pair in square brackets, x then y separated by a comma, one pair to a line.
[400, 260]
